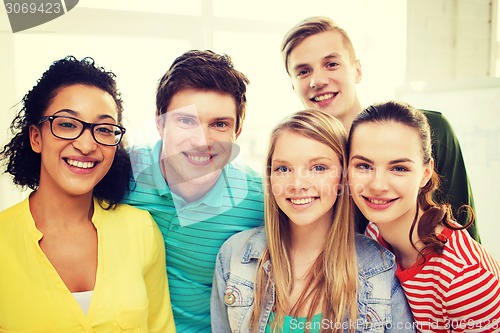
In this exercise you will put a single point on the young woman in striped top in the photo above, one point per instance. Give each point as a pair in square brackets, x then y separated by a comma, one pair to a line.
[451, 282]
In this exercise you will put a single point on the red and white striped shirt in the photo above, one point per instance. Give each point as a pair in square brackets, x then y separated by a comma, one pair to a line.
[456, 291]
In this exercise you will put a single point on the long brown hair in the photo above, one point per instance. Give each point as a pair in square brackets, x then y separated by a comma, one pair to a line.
[435, 214]
[332, 280]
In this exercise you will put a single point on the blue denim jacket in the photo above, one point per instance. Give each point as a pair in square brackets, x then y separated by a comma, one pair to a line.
[382, 306]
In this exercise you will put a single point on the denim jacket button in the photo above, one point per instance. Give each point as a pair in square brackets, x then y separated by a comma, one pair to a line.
[229, 298]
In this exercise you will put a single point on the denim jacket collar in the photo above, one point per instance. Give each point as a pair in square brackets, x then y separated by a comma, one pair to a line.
[382, 306]
[256, 244]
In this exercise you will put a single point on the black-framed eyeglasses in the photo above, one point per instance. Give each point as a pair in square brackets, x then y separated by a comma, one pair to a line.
[69, 128]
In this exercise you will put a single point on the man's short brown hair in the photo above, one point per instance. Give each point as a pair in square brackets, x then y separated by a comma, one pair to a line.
[203, 70]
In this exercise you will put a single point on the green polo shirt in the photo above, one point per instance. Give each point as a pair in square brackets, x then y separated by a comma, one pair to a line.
[194, 231]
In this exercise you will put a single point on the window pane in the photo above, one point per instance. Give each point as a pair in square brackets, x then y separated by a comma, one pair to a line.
[138, 63]
[270, 96]
[381, 49]
[184, 7]
[284, 10]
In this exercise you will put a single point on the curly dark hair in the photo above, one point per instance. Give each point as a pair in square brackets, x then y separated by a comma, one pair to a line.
[435, 214]
[203, 70]
[24, 164]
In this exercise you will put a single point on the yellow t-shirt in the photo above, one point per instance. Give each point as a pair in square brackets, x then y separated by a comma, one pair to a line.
[131, 290]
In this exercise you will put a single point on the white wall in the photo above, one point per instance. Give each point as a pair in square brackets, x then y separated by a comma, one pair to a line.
[448, 39]
[8, 193]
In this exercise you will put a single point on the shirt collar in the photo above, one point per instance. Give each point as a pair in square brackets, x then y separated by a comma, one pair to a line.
[158, 179]
[215, 197]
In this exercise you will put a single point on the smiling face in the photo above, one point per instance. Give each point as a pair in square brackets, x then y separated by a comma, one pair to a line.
[386, 171]
[304, 180]
[74, 166]
[198, 132]
[324, 76]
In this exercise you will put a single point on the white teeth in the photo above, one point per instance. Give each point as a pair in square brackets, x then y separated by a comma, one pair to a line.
[323, 97]
[80, 164]
[302, 201]
[379, 202]
[199, 159]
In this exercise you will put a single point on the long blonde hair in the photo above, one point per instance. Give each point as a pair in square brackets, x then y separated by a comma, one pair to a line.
[332, 281]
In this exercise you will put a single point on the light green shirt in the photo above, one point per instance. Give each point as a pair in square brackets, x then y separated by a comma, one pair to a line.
[193, 232]
[296, 324]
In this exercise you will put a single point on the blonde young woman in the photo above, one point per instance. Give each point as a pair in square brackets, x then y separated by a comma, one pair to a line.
[307, 270]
